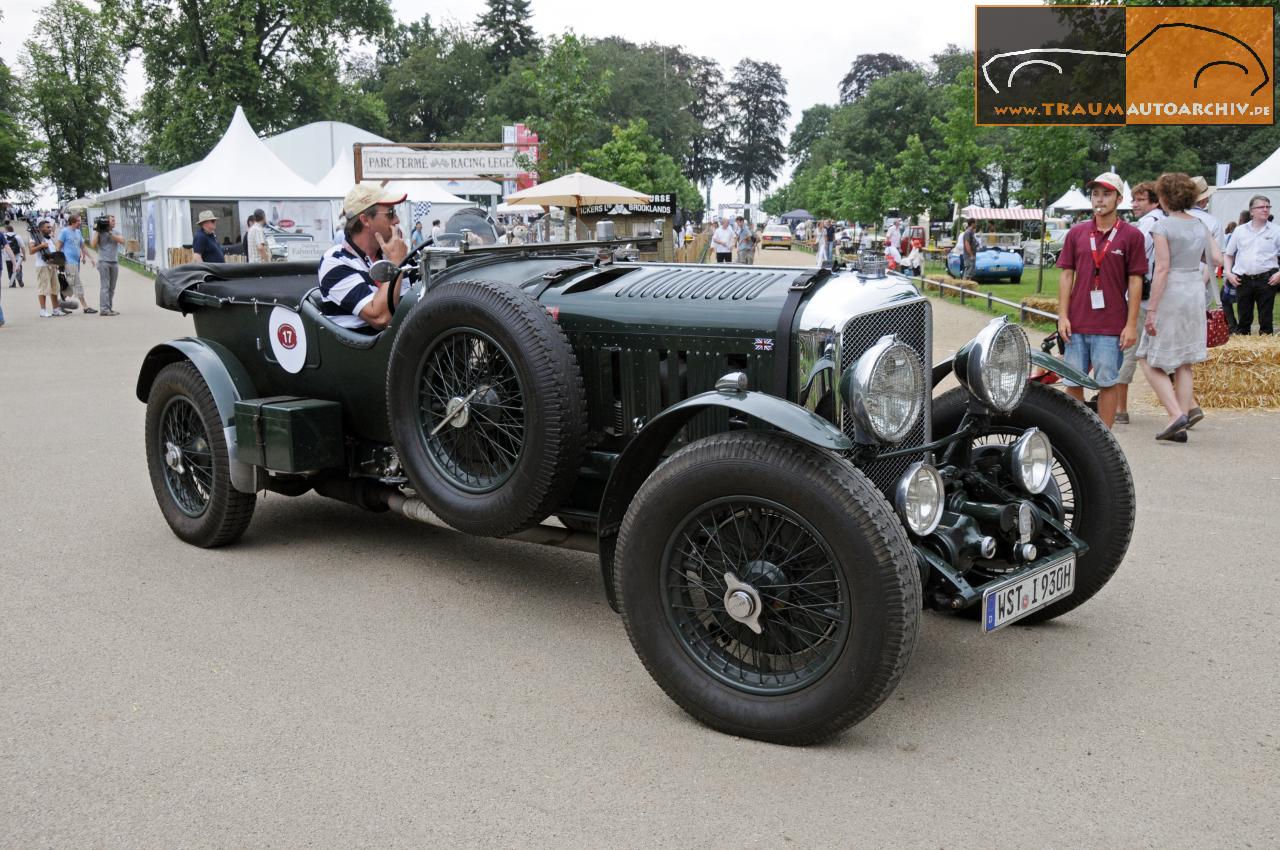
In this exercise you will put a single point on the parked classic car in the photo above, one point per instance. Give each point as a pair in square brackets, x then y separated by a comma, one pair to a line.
[991, 264]
[776, 236]
[754, 453]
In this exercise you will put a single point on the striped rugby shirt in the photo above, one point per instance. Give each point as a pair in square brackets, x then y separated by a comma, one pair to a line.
[346, 285]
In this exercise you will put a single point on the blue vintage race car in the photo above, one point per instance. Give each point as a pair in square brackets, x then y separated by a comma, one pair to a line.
[992, 264]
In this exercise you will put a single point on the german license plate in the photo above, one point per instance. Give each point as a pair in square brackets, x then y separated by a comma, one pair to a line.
[1014, 599]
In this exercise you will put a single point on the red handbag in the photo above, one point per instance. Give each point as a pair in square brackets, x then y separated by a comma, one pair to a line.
[1218, 333]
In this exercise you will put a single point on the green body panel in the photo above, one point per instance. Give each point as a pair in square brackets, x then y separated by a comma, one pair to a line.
[289, 434]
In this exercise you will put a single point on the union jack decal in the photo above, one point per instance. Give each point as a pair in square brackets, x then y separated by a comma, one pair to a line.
[764, 343]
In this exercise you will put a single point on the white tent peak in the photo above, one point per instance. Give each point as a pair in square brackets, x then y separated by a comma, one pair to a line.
[240, 166]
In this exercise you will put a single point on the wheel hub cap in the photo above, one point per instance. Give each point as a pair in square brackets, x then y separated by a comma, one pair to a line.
[456, 412]
[742, 602]
[173, 457]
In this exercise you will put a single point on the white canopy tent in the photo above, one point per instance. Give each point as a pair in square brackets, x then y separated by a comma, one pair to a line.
[1072, 200]
[1232, 198]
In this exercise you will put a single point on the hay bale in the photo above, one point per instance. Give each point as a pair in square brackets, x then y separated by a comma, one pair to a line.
[1244, 374]
[1037, 302]
[931, 285]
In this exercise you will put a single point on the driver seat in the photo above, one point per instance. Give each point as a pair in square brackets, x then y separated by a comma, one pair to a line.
[313, 306]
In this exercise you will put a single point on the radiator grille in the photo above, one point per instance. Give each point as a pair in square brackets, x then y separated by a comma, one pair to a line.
[911, 322]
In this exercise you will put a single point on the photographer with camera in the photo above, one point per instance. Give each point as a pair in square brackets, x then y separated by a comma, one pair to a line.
[71, 244]
[107, 241]
[46, 258]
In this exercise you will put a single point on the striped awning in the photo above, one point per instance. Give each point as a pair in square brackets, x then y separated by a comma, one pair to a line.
[1006, 213]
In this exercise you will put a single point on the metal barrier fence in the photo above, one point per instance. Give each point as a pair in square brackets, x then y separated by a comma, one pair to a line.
[1023, 310]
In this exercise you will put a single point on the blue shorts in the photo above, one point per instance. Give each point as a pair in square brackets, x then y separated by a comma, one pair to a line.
[1095, 353]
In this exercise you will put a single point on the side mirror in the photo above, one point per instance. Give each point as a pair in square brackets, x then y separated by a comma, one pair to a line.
[384, 271]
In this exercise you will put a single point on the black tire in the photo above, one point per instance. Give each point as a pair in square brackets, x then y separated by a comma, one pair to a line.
[1091, 470]
[861, 580]
[1017, 278]
[514, 454]
[188, 460]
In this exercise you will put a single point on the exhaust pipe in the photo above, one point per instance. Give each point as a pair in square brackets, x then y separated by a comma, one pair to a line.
[543, 535]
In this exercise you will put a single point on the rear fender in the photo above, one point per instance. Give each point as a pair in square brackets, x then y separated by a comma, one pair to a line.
[645, 452]
[228, 382]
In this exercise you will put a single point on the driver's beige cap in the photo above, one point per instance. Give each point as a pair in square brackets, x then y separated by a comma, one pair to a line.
[365, 195]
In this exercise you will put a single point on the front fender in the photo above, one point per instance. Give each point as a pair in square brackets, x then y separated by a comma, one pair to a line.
[228, 382]
[645, 451]
[1038, 358]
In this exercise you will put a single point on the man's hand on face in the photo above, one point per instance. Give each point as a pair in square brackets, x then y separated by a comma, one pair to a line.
[394, 249]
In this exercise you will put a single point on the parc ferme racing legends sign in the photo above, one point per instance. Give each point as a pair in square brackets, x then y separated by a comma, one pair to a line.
[1116, 65]
[400, 163]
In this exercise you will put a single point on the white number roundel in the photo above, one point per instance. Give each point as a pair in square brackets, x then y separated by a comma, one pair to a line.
[288, 339]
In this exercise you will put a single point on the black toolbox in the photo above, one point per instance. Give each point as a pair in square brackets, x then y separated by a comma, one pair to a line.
[289, 434]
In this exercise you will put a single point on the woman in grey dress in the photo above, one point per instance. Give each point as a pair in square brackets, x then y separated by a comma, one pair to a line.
[1175, 332]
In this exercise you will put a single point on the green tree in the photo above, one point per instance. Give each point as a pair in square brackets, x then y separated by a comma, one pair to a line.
[73, 81]
[281, 60]
[813, 125]
[632, 158]
[569, 101]
[18, 148]
[504, 27]
[756, 114]
[958, 157]
[870, 195]
[433, 92]
[703, 161]
[866, 69]
[1145, 152]
[913, 179]
[875, 127]
[1045, 159]
[650, 81]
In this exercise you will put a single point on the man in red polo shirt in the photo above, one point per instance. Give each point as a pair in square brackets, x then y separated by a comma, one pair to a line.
[1103, 261]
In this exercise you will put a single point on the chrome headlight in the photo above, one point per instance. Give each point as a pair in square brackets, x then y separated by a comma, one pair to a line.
[919, 498]
[884, 390]
[1031, 461]
[995, 365]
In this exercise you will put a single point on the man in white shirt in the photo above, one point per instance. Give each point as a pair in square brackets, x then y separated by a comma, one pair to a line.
[722, 241]
[1251, 262]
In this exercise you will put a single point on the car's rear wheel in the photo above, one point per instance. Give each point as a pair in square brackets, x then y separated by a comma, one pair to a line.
[188, 461]
[767, 587]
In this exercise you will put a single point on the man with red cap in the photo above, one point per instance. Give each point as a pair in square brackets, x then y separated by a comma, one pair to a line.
[352, 298]
[1103, 261]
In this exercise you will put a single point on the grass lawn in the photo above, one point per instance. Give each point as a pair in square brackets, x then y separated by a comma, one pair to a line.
[1014, 292]
[137, 267]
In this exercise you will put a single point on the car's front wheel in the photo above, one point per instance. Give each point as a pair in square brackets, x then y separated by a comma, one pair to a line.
[188, 460]
[767, 587]
[1090, 473]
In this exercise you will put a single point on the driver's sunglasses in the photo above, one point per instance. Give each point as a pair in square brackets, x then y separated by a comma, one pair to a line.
[387, 213]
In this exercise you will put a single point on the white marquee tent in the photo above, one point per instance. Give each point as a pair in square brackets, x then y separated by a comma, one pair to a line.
[1072, 200]
[1230, 199]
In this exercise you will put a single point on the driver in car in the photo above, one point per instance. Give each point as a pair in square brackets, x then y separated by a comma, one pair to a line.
[351, 297]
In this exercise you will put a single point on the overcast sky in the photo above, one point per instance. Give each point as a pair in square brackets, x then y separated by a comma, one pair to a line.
[813, 43]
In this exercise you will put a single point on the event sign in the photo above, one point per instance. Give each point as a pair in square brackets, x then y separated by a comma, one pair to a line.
[661, 204]
[382, 163]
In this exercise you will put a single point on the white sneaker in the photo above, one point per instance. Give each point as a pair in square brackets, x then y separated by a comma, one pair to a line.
[44, 314]
[57, 312]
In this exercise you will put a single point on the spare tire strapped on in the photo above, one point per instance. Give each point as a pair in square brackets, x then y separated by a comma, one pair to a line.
[486, 406]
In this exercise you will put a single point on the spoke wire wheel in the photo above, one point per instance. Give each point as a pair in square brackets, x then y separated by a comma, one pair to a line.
[468, 382]
[188, 460]
[184, 443]
[805, 607]
[818, 561]
[1090, 470]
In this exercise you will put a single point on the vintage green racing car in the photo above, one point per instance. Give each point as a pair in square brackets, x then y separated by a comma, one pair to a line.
[756, 454]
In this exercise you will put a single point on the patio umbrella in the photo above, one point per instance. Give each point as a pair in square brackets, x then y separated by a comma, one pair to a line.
[577, 190]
